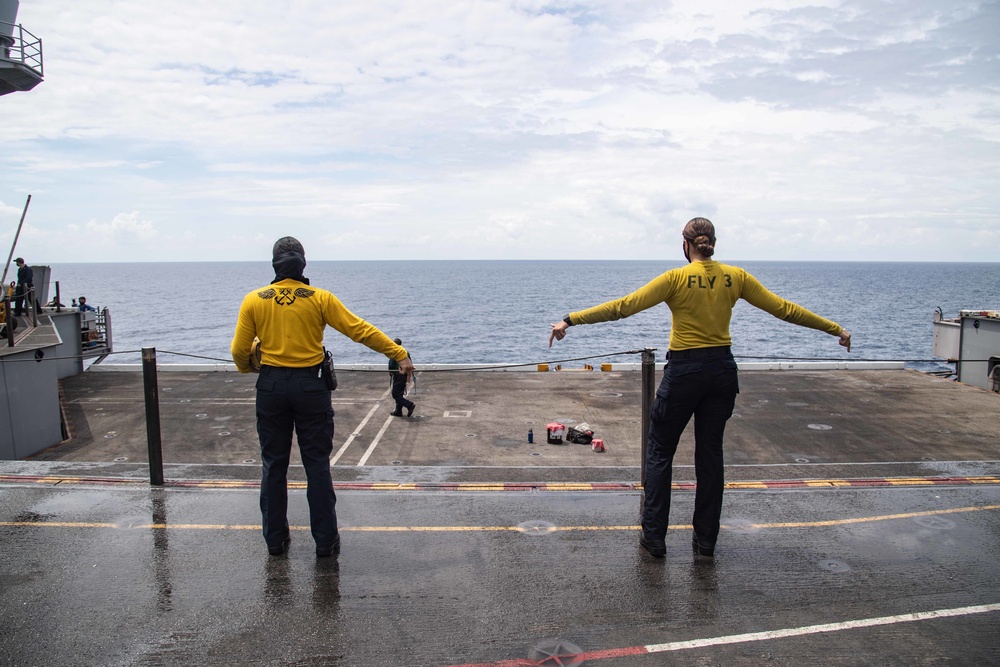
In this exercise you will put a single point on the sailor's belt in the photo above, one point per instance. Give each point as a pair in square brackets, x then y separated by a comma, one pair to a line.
[701, 353]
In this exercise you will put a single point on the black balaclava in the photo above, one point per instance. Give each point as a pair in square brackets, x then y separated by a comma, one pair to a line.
[288, 258]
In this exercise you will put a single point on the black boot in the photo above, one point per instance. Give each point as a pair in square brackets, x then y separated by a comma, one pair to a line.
[409, 410]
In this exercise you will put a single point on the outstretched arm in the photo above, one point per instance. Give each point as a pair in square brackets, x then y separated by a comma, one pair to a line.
[343, 320]
[654, 292]
[339, 317]
[759, 296]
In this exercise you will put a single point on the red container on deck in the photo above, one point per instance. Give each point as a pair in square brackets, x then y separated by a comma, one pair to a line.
[554, 433]
[597, 445]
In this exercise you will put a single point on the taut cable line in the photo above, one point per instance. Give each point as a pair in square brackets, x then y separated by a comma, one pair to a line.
[490, 367]
[450, 370]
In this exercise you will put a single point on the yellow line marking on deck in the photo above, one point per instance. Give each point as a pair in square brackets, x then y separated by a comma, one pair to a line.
[480, 529]
[742, 485]
[887, 517]
[909, 481]
[777, 485]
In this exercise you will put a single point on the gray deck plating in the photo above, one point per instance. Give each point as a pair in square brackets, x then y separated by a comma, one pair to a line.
[474, 426]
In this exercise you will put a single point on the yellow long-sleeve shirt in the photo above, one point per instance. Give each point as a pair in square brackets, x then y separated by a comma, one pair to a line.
[701, 297]
[289, 318]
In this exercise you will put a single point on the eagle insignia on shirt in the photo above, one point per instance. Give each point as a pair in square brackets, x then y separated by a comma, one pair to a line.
[285, 296]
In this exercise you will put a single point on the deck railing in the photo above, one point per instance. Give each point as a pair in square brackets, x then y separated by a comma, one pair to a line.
[9, 323]
[96, 335]
[20, 46]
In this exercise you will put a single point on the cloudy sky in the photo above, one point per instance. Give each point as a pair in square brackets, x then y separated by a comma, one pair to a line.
[521, 129]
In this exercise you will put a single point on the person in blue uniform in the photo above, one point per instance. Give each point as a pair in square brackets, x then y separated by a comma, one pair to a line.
[25, 281]
[398, 381]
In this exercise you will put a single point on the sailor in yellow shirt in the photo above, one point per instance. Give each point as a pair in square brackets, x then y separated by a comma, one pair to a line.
[289, 317]
[700, 378]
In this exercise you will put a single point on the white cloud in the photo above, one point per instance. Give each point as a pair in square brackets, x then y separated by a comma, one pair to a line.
[9, 212]
[124, 226]
[32, 164]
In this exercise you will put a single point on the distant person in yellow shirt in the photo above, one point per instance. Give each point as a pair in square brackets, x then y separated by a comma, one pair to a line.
[3, 313]
[700, 378]
[289, 317]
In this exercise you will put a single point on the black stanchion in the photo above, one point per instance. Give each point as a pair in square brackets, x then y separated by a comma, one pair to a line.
[33, 305]
[108, 339]
[152, 416]
[648, 390]
[9, 322]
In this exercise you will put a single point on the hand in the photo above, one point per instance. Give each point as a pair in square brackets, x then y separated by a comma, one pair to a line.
[845, 339]
[406, 367]
[558, 331]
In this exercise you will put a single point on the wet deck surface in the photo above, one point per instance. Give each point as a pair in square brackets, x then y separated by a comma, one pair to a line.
[181, 577]
[98, 572]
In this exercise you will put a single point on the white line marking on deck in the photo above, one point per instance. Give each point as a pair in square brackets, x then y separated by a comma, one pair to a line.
[378, 436]
[635, 651]
[827, 627]
[347, 443]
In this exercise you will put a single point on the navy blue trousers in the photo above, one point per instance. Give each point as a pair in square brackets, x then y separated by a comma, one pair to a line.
[702, 383]
[295, 399]
[22, 304]
[398, 388]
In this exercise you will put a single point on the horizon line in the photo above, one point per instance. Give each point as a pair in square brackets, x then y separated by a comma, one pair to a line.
[573, 260]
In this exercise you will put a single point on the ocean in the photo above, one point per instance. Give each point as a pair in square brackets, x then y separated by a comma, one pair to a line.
[500, 311]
